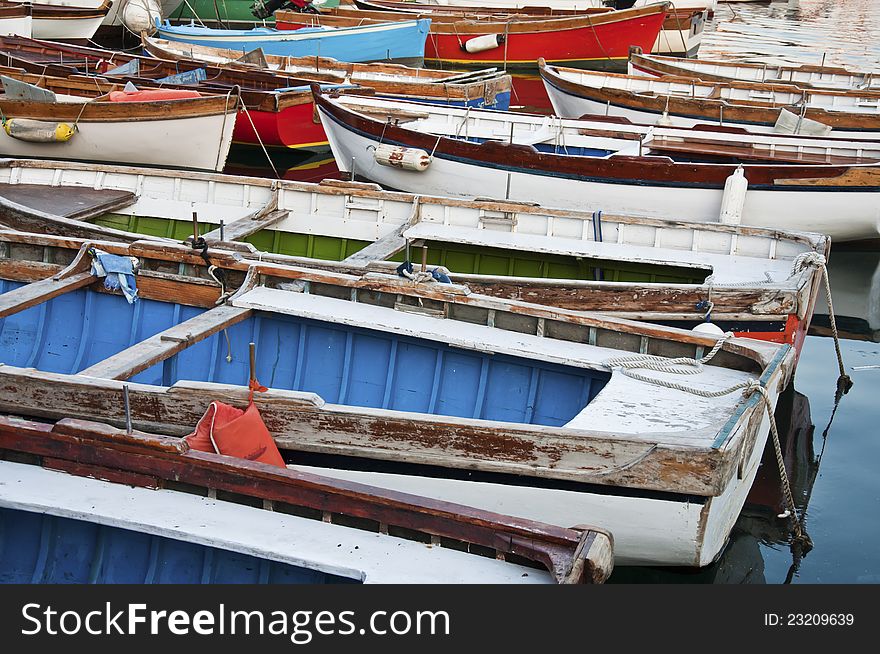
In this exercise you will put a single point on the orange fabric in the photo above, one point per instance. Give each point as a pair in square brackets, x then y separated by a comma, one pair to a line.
[149, 95]
[227, 430]
[217, 414]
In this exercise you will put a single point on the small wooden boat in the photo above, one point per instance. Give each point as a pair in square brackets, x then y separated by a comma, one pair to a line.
[400, 42]
[15, 19]
[688, 101]
[117, 500]
[506, 40]
[667, 272]
[184, 130]
[277, 110]
[67, 22]
[708, 70]
[681, 32]
[415, 387]
[589, 165]
[486, 88]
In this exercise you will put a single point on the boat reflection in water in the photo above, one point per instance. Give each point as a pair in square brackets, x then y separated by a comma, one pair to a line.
[295, 165]
[742, 561]
[855, 291]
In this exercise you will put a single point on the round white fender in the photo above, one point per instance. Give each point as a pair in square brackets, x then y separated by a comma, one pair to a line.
[140, 15]
[734, 197]
[403, 158]
[482, 43]
[708, 328]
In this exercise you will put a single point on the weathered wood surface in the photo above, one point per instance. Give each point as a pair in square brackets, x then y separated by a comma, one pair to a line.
[28, 218]
[78, 202]
[302, 422]
[177, 289]
[576, 555]
[166, 344]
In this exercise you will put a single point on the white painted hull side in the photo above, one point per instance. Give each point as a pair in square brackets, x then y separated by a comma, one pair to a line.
[570, 106]
[200, 143]
[20, 26]
[646, 531]
[54, 29]
[679, 43]
[856, 218]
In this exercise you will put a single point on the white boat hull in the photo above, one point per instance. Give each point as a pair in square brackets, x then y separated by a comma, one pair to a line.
[570, 106]
[817, 211]
[200, 143]
[19, 26]
[54, 29]
[647, 531]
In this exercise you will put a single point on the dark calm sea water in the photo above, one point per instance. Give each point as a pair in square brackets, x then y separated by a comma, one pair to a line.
[834, 463]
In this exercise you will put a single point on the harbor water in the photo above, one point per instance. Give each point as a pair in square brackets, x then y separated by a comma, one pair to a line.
[832, 448]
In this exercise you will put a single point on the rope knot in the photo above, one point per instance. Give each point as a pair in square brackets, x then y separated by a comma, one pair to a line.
[806, 260]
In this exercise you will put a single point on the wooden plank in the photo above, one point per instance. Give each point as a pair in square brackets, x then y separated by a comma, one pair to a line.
[300, 422]
[166, 344]
[79, 202]
[42, 291]
[240, 229]
[385, 247]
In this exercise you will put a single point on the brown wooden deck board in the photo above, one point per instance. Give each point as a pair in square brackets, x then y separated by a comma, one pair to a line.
[76, 202]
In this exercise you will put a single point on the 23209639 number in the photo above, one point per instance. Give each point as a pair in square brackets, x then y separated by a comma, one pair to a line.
[809, 619]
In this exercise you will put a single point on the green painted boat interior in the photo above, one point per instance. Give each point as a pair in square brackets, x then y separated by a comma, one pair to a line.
[236, 11]
[458, 258]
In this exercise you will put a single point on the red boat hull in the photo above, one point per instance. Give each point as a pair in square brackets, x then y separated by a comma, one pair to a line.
[603, 45]
[291, 127]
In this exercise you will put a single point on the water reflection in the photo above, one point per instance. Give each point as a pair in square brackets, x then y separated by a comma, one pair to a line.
[296, 165]
[855, 293]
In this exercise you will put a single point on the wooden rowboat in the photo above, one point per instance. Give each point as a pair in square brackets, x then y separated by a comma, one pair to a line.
[687, 101]
[16, 18]
[804, 75]
[680, 34]
[506, 40]
[630, 267]
[192, 132]
[64, 22]
[572, 164]
[487, 88]
[397, 42]
[419, 388]
[277, 109]
[116, 499]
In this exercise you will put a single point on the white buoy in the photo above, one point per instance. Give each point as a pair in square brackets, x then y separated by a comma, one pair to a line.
[483, 43]
[708, 328]
[734, 197]
[402, 158]
[140, 15]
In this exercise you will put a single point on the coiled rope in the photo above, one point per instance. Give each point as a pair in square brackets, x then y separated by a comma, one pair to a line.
[688, 366]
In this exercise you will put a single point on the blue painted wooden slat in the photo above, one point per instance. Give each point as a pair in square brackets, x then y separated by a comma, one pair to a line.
[40, 548]
[414, 369]
[371, 354]
[458, 384]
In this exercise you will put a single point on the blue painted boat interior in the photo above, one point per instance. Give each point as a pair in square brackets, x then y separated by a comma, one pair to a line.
[36, 548]
[553, 148]
[342, 364]
[501, 103]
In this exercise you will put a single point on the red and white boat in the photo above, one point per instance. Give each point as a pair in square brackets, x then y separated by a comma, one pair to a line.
[489, 37]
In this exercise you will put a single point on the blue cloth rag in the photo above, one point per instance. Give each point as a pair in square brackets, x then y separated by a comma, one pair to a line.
[118, 273]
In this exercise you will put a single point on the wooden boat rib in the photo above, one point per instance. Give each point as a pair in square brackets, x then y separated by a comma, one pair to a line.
[585, 39]
[687, 101]
[471, 153]
[681, 32]
[631, 267]
[296, 538]
[805, 75]
[690, 458]
[195, 132]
